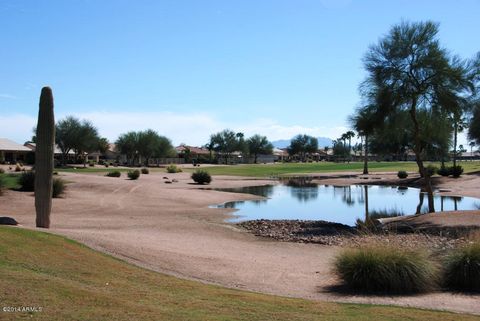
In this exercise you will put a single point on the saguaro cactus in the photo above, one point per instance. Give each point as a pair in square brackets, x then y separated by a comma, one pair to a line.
[44, 158]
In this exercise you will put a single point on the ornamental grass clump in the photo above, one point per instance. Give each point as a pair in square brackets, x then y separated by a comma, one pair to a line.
[133, 175]
[456, 171]
[172, 168]
[27, 181]
[145, 171]
[113, 174]
[386, 269]
[201, 176]
[58, 187]
[462, 268]
[2, 184]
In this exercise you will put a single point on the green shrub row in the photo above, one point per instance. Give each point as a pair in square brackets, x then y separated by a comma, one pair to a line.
[389, 269]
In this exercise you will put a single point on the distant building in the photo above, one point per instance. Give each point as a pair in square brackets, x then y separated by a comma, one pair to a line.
[57, 152]
[11, 152]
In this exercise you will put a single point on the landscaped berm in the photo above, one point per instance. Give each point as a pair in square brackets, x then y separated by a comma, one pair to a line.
[64, 280]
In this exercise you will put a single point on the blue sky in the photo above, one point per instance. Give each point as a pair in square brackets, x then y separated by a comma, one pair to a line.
[189, 68]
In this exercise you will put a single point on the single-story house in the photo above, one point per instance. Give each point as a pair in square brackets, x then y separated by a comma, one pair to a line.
[57, 153]
[11, 152]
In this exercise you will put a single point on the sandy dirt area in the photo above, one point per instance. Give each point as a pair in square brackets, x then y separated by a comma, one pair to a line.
[170, 228]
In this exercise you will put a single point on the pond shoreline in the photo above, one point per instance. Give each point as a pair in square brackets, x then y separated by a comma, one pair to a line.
[335, 234]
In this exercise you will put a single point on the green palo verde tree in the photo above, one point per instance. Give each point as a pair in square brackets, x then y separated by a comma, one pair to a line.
[409, 70]
[44, 158]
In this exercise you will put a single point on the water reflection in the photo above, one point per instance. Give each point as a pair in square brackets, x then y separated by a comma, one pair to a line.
[297, 199]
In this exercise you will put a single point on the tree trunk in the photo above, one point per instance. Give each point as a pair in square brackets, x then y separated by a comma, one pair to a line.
[365, 159]
[455, 133]
[366, 203]
[420, 203]
[418, 150]
[255, 159]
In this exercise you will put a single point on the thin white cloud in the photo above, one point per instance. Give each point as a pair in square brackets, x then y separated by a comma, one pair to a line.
[7, 96]
[192, 129]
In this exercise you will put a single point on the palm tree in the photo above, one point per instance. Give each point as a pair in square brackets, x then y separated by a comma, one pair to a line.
[472, 144]
[459, 124]
[364, 122]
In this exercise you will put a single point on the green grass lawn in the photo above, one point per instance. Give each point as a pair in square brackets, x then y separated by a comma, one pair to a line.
[265, 170]
[72, 282]
[268, 170]
[11, 180]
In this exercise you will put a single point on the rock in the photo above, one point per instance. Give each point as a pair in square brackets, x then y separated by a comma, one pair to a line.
[5, 220]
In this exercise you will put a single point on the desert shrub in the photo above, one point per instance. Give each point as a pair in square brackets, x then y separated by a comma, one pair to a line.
[386, 269]
[27, 181]
[114, 174]
[133, 174]
[456, 171]
[91, 164]
[2, 184]
[106, 165]
[58, 187]
[145, 171]
[402, 174]
[462, 268]
[201, 177]
[18, 168]
[443, 171]
[172, 168]
[2, 171]
[431, 170]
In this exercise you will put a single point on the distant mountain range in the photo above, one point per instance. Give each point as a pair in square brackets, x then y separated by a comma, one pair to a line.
[283, 143]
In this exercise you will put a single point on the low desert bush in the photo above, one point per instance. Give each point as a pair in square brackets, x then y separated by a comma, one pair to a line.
[402, 174]
[145, 171]
[456, 171]
[431, 170]
[91, 164]
[18, 168]
[386, 269]
[27, 181]
[462, 268]
[2, 184]
[58, 187]
[114, 174]
[2, 171]
[133, 174]
[443, 171]
[172, 168]
[201, 176]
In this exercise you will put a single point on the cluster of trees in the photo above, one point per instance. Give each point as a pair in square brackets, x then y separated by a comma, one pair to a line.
[226, 142]
[416, 96]
[302, 146]
[144, 146]
[78, 135]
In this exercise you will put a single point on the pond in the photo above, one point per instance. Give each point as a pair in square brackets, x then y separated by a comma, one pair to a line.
[340, 204]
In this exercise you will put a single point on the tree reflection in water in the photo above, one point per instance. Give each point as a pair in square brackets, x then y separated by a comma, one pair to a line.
[302, 189]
